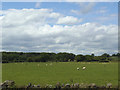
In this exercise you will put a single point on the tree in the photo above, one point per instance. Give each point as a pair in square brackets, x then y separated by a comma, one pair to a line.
[92, 55]
[88, 58]
[64, 57]
[79, 58]
[30, 59]
[105, 55]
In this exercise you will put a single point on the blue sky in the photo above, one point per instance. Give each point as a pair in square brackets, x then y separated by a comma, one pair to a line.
[80, 28]
[65, 8]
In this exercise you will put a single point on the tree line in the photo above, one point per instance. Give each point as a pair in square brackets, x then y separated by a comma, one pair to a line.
[8, 57]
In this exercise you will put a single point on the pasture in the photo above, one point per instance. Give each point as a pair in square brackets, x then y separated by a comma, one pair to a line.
[63, 72]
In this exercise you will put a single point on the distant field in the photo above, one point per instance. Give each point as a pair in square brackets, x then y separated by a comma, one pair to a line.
[63, 72]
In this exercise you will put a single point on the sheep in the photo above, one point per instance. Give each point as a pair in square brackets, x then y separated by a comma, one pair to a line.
[78, 68]
[46, 64]
[83, 67]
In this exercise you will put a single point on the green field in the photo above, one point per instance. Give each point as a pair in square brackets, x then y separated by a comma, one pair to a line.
[63, 72]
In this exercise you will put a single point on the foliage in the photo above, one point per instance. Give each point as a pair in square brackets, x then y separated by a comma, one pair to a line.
[53, 57]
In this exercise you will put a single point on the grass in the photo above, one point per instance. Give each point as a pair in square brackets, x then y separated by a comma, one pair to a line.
[63, 72]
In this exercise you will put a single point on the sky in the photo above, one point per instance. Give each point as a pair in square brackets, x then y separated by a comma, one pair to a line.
[73, 27]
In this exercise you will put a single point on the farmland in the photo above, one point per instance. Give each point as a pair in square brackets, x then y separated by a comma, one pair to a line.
[43, 73]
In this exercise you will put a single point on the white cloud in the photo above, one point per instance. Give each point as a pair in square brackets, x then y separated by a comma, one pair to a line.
[68, 20]
[31, 30]
[55, 15]
[28, 16]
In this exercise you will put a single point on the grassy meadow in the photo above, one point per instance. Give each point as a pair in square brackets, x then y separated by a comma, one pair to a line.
[63, 72]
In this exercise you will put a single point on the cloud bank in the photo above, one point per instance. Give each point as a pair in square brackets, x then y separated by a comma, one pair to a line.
[43, 30]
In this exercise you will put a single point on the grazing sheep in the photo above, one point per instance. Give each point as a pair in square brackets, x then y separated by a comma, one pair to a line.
[78, 68]
[83, 67]
[46, 64]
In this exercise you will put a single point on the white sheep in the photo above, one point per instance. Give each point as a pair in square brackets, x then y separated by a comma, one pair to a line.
[83, 67]
[46, 64]
[78, 68]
